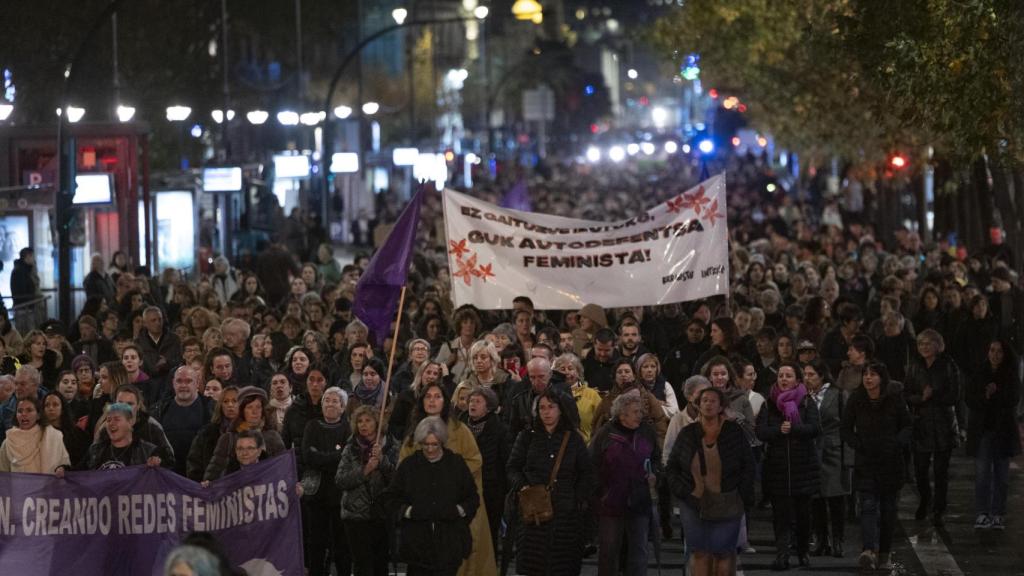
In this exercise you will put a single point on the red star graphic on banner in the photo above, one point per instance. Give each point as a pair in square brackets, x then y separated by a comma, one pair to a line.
[676, 204]
[458, 248]
[484, 272]
[467, 269]
[712, 213]
[696, 201]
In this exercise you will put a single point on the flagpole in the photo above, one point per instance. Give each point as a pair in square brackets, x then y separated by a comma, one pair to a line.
[391, 362]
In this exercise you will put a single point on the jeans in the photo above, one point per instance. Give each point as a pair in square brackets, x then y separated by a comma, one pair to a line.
[878, 519]
[787, 511]
[611, 530]
[991, 478]
[922, 462]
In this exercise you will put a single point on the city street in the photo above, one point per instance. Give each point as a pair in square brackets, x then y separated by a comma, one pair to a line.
[919, 548]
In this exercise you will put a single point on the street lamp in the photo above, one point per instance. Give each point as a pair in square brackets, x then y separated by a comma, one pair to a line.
[342, 112]
[399, 14]
[288, 118]
[371, 108]
[5, 111]
[528, 10]
[75, 113]
[218, 115]
[481, 12]
[257, 117]
[178, 113]
[312, 118]
[125, 113]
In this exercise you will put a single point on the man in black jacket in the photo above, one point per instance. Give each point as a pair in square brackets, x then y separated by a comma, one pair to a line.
[161, 349]
[24, 278]
[539, 371]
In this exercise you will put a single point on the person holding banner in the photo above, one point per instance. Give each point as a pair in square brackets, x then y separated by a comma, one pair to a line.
[119, 448]
[205, 442]
[434, 496]
[626, 380]
[364, 472]
[31, 446]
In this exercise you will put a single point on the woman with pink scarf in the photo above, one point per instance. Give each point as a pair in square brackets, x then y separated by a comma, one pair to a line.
[788, 424]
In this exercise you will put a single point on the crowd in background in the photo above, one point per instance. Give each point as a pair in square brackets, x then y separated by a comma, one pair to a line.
[841, 367]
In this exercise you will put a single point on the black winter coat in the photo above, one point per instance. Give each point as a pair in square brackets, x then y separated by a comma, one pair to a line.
[791, 466]
[556, 547]
[322, 444]
[996, 414]
[495, 445]
[434, 537]
[734, 451]
[934, 418]
[294, 426]
[878, 431]
[202, 449]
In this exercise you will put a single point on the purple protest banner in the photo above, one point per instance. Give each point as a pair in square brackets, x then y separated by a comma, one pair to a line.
[125, 522]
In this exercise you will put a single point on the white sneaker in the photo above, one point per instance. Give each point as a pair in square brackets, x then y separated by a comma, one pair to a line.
[998, 523]
[983, 522]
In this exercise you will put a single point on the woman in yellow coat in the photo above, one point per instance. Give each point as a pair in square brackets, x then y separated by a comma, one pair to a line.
[432, 401]
[587, 399]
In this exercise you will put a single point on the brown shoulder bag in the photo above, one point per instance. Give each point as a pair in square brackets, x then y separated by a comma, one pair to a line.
[535, 500]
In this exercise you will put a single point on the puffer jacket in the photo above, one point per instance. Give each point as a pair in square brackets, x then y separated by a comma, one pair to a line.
[791, 463]
[361, 494]
[935, 427]
[878, 431]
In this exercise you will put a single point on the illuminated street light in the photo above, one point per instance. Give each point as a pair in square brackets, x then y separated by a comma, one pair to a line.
[5, 111]
[125, 113]
[178, 113]
[647, 148]
[371, 108]
[342, 112]
[632, 73]
[528, 10]
[671, 147]
[632, 149]
[288, 117]
[312, 118]
[399, 14]
[593, 154]
[616, 154]
[481, 12]
[257, 117]
[706, 146]
[75, 113]
[218, 115]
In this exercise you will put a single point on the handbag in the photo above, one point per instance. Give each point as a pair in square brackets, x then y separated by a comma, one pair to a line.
[310, 482]
[717, 505]
[535, 500]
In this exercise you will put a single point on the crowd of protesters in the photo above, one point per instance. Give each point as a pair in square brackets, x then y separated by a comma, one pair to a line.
[841, 367]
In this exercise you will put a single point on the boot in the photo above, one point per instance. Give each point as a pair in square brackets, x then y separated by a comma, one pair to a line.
[781, 562]
[823, 548]
[837, 549]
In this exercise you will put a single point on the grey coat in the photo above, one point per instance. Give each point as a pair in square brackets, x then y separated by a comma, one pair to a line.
[360, 494]
[836, 458]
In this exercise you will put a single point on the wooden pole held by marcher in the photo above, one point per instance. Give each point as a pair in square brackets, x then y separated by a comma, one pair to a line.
[391, 364]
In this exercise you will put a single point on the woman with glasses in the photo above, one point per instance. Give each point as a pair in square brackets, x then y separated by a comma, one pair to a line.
[434, 497]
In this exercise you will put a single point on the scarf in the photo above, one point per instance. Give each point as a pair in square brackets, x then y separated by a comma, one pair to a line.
[788, 402]
[367, 396]
[365, 447]
[280, 407]
[477, 426]
[656, 387]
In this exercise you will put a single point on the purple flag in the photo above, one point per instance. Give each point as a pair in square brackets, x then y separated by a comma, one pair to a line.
[380, 286]
[517, 198]
[125, 522]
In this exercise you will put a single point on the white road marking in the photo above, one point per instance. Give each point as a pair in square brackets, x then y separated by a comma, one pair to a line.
[930, 549]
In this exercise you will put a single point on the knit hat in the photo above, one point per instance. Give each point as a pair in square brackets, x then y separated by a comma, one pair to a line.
[595, 314]
[83, 360]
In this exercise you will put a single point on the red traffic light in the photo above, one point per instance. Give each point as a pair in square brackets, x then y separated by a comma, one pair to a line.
[898, 162]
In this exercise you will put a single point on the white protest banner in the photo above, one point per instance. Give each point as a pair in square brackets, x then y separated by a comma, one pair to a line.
[674, 252]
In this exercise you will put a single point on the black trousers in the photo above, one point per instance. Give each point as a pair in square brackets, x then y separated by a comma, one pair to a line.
[829, 513]
[789, 511]
[368, 543]
[327, 541]
[922, 463]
